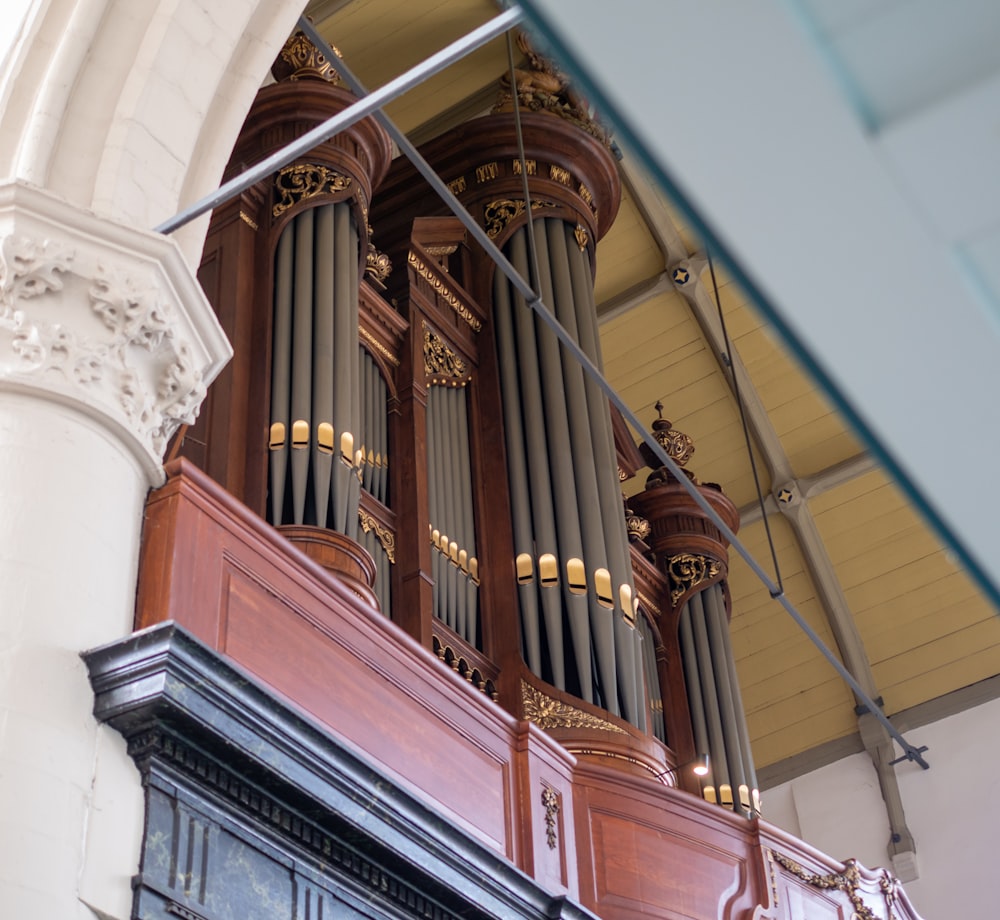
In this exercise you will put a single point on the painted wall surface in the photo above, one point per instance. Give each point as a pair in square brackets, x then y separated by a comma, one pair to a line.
[949, 809]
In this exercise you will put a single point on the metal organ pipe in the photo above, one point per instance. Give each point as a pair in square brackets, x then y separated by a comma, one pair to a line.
[520, 495]
[315, 379]
[280, 429]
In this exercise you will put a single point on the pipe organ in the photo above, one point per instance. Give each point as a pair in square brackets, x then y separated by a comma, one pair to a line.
[692, 553]
[496, 537]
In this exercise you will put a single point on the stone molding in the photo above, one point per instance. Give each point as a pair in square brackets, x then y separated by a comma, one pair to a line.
[218, 748]
[106, 318]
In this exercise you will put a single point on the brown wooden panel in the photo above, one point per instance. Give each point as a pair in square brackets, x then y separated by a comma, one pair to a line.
[649, 848]
[638, 867]
[546, 823]
[219, 571]
[363, 700]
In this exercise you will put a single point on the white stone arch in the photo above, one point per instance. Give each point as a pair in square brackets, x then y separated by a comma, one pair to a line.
[130, 108]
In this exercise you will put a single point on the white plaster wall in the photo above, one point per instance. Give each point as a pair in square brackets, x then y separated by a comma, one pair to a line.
[952, 811]
[71, 495]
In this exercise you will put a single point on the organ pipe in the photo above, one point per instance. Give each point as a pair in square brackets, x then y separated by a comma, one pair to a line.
[450, 502]
[571, 507]
[315, 382]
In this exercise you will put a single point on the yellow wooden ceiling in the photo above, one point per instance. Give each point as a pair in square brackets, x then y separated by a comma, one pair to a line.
[925, 628]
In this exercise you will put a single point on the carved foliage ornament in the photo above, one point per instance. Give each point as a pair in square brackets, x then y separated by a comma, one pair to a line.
[501, 212]
[547, 713]
[849, 882]
[306, 180]
[688, 570]
[129, 355]
[441, 362]
[550, 801]
[542, 87]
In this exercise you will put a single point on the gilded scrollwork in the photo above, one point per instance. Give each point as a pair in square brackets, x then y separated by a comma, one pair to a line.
[497, 214]
[848, 881]
[440, 361]
[385, 536]
[443, 291]
[581, 235]
[546, 712]
[306, 180]
[688, 570]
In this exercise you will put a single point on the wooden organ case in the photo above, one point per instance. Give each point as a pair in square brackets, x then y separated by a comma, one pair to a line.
[402, 478]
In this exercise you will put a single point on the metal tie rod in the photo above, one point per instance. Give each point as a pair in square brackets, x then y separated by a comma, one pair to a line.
[371, 102]
[535, 302]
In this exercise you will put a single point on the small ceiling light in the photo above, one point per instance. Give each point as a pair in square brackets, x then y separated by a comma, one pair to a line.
[698, 764]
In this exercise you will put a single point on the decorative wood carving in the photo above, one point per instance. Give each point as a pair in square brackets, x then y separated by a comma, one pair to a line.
[689, 547]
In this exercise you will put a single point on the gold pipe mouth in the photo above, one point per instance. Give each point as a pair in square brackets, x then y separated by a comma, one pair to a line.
[276, 437]
[324, 437]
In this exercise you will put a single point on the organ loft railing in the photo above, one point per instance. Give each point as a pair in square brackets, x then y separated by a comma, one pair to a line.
[402, 416]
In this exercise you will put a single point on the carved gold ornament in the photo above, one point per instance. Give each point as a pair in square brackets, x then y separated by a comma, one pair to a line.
[688, 570]
[550, 800]
[304, 59]
[544, 88]
[848, 881]
[458, 663]
[678, 446]
[638, 527]
[487, 172]
[443, 291]
[546, 712]
[647, 603]
[497, 214]
[306, 180]
[378, 346]
[440, 361]
[560, 175]
[580, 232]
[385, 536]
[377, 264]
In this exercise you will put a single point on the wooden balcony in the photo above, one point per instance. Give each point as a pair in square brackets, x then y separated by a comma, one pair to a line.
[617, 842]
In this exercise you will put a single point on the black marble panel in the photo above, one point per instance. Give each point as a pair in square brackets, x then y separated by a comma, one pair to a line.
[255, 813]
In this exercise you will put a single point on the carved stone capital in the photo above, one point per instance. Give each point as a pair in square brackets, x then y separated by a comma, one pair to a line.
[105, 318]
